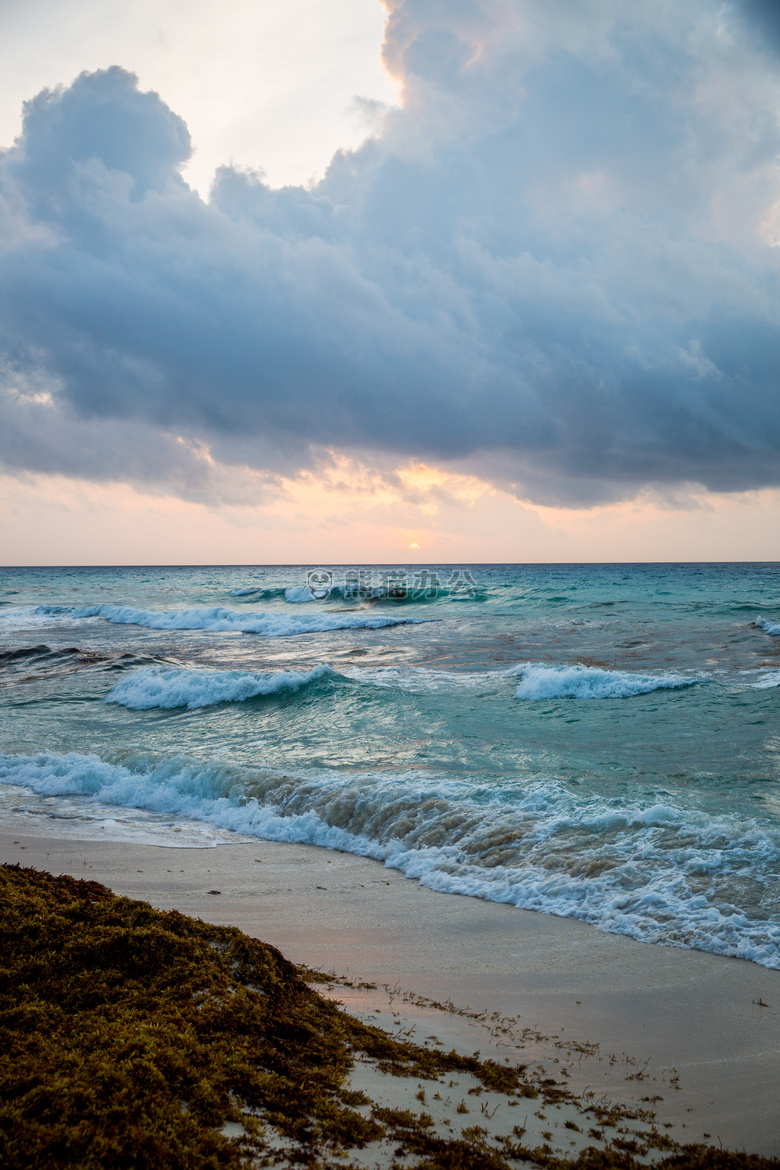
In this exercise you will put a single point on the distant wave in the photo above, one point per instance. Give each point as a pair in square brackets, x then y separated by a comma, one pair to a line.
[590, 682]
[270, 625]
[145, 690]
[292, 593]
[641, 866]
[340, 592]
[772, 628]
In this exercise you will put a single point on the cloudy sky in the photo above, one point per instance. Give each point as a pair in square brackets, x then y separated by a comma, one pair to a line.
[316, 280]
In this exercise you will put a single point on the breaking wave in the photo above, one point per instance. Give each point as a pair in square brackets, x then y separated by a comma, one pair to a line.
[217, 619]
[393, 593]
[646, 868]
[538, 681]
[145, 690]
[168, 687]
[772, 628]
[291, 593]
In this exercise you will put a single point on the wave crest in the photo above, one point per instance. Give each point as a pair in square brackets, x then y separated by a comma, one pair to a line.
[398, 593]
[219, 620]
[538, 681]
[166, 689]
[291, 593]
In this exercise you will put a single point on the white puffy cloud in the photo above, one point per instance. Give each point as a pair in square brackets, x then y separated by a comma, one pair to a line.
[554, 267]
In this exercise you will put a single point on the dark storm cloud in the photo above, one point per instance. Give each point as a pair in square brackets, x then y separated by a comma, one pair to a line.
[763, 20]
[552, 268]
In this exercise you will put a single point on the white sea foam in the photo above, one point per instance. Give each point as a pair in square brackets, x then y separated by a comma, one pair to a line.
[538, 681]
[85, 818]
[30, 617]
[766, 680]
[217, 619]
[168, 688]
[298, 594]
[772, 628]
[647, 868]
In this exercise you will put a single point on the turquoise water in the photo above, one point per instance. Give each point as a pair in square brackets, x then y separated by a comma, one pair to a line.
[591, 741]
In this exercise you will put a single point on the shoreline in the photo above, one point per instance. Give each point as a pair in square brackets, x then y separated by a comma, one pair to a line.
[656, 1013]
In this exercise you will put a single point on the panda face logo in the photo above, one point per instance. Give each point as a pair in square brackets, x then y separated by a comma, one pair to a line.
[320, 582]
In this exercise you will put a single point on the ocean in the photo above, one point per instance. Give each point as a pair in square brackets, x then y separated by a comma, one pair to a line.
[592, 741]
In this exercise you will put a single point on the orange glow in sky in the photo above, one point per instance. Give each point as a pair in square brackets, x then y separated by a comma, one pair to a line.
[349, 516]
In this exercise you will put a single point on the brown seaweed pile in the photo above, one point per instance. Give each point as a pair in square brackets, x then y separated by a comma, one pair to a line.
[137, 1038]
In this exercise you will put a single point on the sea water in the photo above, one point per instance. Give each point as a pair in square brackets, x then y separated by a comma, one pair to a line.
[593, 741]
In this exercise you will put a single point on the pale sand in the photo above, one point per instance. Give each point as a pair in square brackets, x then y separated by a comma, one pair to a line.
[676, 1009]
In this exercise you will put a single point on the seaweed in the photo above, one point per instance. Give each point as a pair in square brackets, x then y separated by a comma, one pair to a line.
[141, 1038]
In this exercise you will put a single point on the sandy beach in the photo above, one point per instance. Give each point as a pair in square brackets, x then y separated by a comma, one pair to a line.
[632, 1021]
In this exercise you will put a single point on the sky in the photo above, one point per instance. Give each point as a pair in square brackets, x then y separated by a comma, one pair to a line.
[334, 280]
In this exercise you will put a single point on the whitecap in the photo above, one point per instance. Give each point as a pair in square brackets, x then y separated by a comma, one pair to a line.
[220, 620]
[163, 688]
[539, 681]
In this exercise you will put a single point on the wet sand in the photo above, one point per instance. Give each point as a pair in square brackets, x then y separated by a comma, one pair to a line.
[654, 1013]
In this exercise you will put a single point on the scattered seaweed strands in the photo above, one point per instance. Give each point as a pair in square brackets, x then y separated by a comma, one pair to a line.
[622, 1130]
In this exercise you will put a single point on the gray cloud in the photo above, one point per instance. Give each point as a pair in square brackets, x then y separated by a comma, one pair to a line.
[548, 268]
[762, 18]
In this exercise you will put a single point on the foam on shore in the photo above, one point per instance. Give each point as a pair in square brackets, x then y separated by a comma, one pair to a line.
[640, 866]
